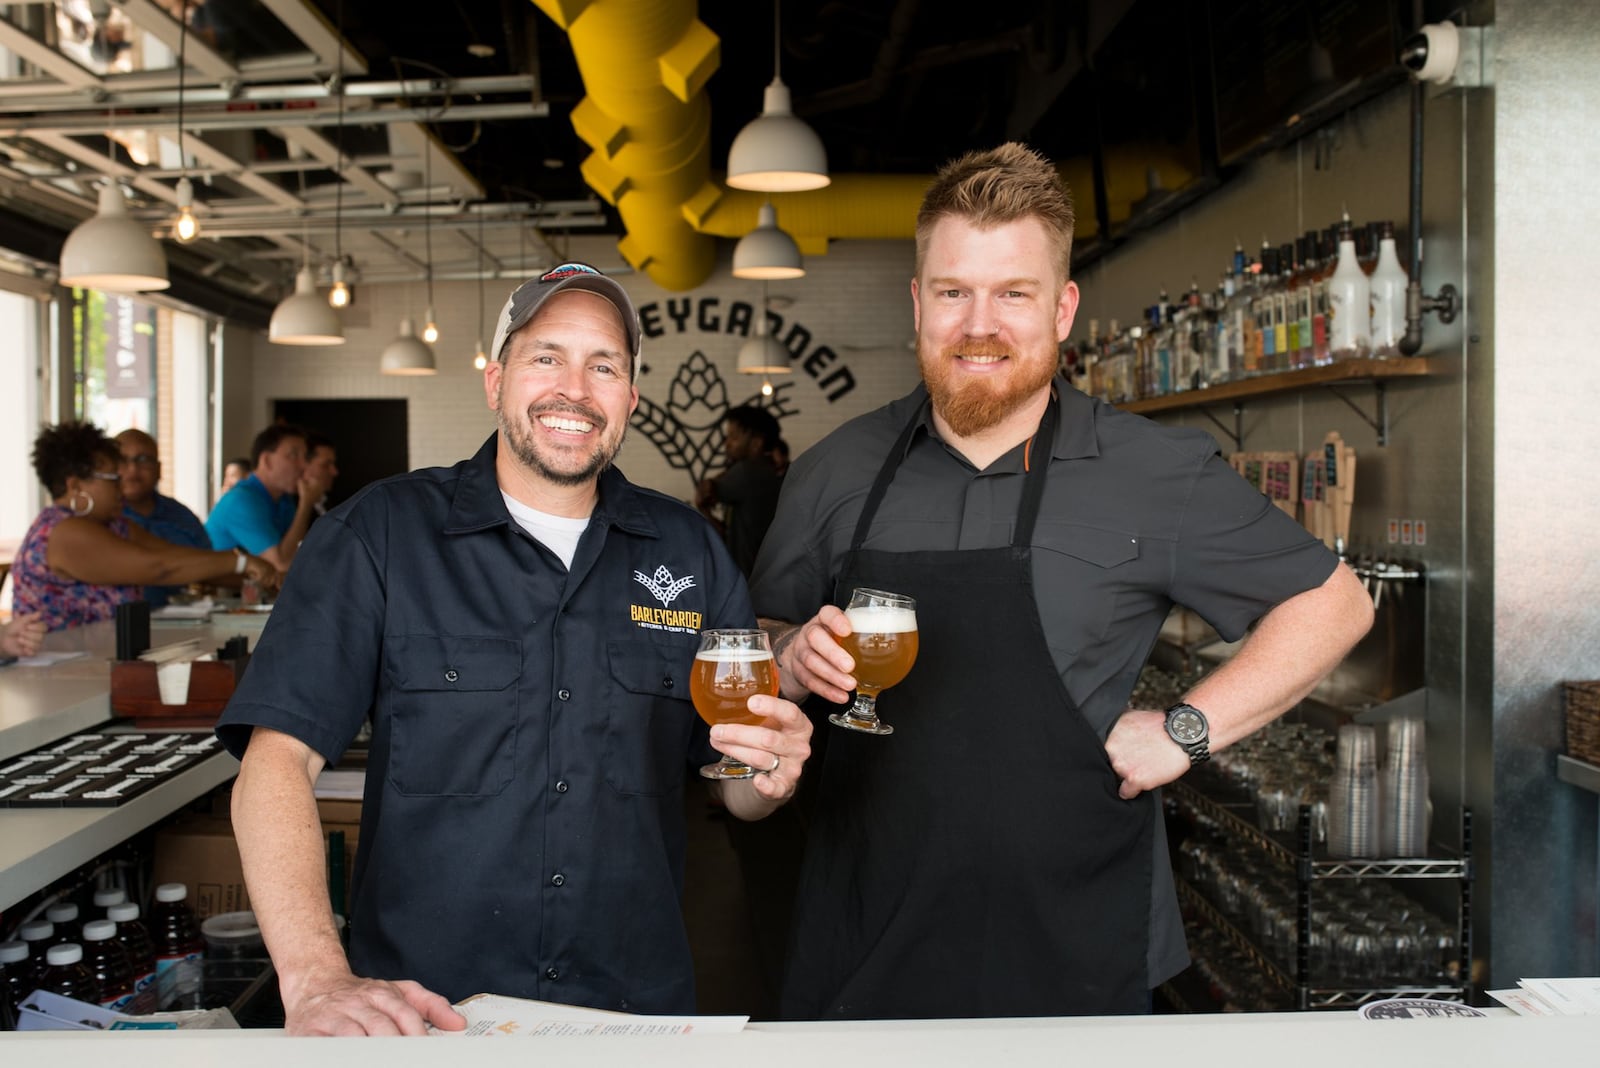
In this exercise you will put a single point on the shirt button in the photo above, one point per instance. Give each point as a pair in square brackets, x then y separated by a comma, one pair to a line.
[666, 683]
[552, 974]
[558, 879]
[450, 675]
[565, 695]
[562, 787]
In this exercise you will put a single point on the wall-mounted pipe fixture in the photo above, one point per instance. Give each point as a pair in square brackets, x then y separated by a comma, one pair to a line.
[1441, 54]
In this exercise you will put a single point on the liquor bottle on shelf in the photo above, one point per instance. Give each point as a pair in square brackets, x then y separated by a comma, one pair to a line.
[1284, 321]
[1349, 301]
[1265, 303]
[1304, 302]
[1094, 372]
[1389, 281]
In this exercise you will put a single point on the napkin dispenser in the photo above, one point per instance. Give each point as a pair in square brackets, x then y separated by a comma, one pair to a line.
[178, 692]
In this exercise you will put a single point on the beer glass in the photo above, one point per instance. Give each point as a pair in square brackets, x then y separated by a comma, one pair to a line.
[883, 641]
[731, 667]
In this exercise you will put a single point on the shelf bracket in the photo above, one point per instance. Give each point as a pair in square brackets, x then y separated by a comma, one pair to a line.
[1237, 433]
[1379, 424]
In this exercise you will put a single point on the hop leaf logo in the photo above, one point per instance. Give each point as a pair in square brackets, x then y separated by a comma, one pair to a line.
[662, 585]
[688, 429]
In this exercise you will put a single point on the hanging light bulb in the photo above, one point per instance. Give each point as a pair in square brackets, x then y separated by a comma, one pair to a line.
[187, 227]
[481, 360]
[766, 387]
[339, 295]
[430, 329]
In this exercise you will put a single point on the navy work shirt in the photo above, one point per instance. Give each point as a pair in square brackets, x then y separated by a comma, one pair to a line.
[522, 831]
[1136, 517]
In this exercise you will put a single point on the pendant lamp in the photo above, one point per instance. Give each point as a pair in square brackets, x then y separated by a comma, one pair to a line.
[339, 295]
[111, 252]
[763, 354]
[481, 359]
[777, 152]
[304, 318]
[766, 251]
[430, 323]
[407, 354]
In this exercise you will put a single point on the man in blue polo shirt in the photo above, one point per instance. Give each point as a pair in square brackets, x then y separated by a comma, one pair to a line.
[153, 510]
[521, 630]
[268, 511]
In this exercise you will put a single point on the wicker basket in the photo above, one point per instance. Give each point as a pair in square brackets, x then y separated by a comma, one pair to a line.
[1583, 720]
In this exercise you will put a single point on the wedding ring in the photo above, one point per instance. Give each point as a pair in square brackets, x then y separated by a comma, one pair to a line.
[776, 760]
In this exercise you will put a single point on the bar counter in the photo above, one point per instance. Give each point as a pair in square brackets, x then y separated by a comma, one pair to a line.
[1268, 1040]
[39, 705]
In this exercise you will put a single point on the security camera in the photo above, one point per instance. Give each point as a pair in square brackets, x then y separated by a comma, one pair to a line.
[1432, 54]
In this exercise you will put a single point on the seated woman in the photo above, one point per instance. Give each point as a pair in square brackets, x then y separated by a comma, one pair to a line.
[81, 558]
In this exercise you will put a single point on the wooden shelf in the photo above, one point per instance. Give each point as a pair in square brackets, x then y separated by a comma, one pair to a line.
[1288, 381]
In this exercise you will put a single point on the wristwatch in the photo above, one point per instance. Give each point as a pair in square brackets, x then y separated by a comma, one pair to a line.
[1187, 726]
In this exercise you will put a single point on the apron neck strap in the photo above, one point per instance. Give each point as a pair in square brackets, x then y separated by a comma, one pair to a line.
[1035, 464]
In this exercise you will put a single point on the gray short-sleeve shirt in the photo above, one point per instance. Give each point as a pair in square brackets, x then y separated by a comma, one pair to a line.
[1136, 517]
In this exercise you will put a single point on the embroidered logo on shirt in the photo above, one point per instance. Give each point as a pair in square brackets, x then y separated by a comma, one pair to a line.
[662, 585]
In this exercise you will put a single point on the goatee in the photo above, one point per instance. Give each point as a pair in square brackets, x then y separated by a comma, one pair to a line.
[970, 404]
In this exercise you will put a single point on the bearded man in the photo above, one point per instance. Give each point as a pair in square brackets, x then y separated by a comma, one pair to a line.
[520, 629]
[1002, 853]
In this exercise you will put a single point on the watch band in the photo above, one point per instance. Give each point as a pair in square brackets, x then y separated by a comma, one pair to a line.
[241, 561]
[1189, 729]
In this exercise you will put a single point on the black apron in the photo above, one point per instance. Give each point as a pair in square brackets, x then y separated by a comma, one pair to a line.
[977, 862]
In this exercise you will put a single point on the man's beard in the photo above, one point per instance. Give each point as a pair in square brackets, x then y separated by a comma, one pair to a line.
[522, 443]
[971, 404]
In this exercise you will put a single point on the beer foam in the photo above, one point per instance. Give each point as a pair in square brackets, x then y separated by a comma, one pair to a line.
[733, 656]
[881, 619]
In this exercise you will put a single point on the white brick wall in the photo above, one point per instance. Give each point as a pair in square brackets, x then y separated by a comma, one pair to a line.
[855, 302]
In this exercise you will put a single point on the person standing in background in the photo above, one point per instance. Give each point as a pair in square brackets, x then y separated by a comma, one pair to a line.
[268, 512]
[146, 506]
[322, 467]
[233, 472]
[748, 489]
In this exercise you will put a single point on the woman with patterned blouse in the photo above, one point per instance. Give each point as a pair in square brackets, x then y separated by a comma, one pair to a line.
[81, 559]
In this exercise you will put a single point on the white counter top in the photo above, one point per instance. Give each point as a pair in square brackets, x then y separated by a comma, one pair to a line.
[1309, 1040]
[41, 704]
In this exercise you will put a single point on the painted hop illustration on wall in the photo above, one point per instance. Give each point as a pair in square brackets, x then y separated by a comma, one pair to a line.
[688, 429]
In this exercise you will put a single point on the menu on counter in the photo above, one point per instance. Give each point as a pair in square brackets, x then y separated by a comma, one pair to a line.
[498, 1016]
[1552, 997]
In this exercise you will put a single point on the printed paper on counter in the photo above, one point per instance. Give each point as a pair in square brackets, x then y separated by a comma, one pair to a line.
[1568, 997]
[1523, 1002]
[498, 1016]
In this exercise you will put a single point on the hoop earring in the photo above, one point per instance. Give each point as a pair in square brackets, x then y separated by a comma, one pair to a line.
[73, 508]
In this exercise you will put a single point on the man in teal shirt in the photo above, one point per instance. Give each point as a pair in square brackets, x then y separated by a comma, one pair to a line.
[266, 514]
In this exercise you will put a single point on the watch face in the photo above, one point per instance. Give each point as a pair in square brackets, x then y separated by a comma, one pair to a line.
[1186, 726]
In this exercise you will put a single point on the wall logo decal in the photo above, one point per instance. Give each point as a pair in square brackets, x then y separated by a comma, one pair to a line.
[687, 430]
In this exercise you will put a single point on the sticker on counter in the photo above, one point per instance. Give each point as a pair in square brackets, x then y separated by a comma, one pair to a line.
[1416, 1009]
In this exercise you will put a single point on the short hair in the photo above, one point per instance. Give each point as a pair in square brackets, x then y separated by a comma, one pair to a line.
[316, 440]
[999, 186]
[69, 450]
[134, 434]
[754, 420]
[241, 462]
[269, 440]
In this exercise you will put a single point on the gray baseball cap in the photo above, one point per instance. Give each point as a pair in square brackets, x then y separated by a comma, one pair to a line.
[525, 302]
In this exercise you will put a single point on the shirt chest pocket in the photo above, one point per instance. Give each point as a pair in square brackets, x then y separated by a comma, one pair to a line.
[1081, 574]
[650, 721]
[452, 707]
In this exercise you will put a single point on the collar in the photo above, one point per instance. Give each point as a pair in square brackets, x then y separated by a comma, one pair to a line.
[478, 505]
[1075, 430]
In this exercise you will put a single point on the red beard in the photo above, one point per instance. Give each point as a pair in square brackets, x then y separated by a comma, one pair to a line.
[970, 404]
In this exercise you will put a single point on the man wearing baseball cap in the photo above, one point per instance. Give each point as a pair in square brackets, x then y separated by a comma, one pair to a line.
[520, 629]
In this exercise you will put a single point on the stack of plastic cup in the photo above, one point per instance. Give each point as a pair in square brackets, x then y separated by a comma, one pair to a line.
[1404, 824]
[1353, 795]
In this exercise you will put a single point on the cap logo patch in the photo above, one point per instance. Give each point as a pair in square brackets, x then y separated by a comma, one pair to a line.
[566, 270]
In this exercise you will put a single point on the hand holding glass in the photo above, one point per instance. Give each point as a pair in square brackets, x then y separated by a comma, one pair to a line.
[731, 667]
[883, 642]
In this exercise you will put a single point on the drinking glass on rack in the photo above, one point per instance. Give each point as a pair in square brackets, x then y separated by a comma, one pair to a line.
[883, 642]
[731, 667]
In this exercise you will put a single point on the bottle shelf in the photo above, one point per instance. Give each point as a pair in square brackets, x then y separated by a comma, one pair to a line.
[1330, 376]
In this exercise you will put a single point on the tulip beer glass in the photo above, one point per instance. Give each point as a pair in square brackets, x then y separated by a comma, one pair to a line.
[883, 641]
[731, 667]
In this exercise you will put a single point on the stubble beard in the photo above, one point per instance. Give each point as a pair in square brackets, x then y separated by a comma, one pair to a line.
[971, 404]
[522, 444]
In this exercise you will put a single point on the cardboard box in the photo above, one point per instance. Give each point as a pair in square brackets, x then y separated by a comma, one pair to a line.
[201, 853]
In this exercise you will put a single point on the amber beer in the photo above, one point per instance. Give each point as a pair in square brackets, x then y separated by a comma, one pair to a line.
[723, 681]
[883, 643]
